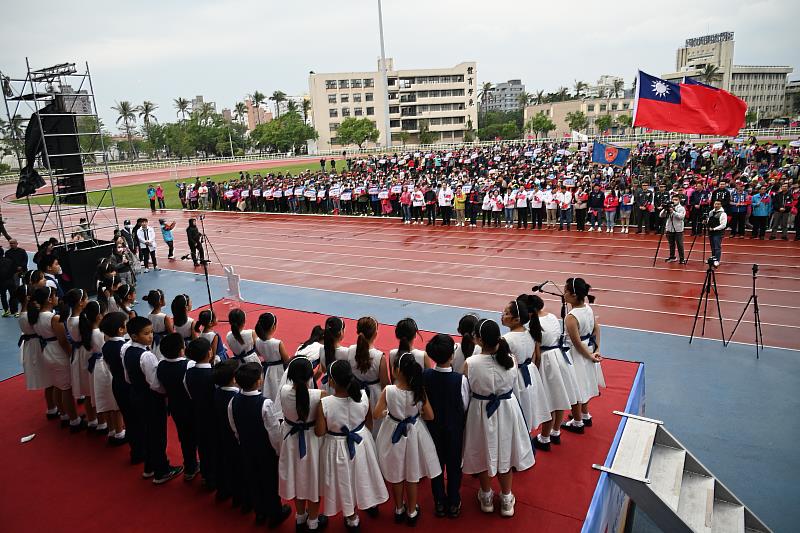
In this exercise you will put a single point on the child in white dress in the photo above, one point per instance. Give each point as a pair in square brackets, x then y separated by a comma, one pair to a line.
[112, 326]
[92, 341]
[310, 349]
[350, 476]
[584, 338]
[204, 327]
[31, 350]
[556, 369]
[406, 332]
[162, 323]
[496, 439]
[272, 352]
[181, 321]
[80, 378]
[368, 363]
[466, 348]
[242, 342]
[332, 349]
[406, 452]
[298, 465]
[528, 388]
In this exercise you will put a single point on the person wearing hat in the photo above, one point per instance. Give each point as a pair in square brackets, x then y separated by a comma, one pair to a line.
[127, 234]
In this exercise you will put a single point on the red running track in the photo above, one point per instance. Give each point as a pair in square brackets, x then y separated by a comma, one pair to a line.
[485, 268]
[87, 486]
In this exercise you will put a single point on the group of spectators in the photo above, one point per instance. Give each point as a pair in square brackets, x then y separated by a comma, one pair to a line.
[545, 185]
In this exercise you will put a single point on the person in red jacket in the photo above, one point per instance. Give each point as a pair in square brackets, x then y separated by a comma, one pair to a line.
[610, 205]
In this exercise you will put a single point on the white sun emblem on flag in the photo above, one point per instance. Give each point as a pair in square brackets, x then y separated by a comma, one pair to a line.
[660, 89]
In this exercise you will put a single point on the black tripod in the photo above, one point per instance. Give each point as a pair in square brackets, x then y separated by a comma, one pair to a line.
[660, 240]
[708, 284]
[754, 299]
[702, 227]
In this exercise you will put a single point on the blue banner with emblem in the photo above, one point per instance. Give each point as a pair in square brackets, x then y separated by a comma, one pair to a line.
[608, 154]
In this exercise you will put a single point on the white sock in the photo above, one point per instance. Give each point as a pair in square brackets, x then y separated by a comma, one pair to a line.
[543, 439]
[120, 435]
[102, 427]
[92, 423]
[506, 498]
[352, 522]
[486, 495]
[64, 417]
[576, 423]
[412, 515]
[555, 433]
[52, 411]
[111, 433]
[312, 524]
[400, 510]
[586, 416]
[76, 422]
[301, 518]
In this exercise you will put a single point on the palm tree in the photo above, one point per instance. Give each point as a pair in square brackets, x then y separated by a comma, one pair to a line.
[182, 105]
[563, 94]
[306, 109]
[146, 111]
[240, 110]
[127, 114]
[710, 74]
[258, 98]
[203, 112]
[579, 87]
[278, 97]
[485, 94]
[524, 98]
[617, 87]
[291, 106]
[538, 98]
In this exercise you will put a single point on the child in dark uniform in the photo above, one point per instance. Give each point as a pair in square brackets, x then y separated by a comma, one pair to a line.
[171, 373]
[113, 327]
[229, 460]
[148, 399]
[448, 393]
[255, 423]
[200, 385]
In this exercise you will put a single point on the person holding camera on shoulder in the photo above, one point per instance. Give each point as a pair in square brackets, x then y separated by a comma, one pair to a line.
[717, 222]
[674, 214]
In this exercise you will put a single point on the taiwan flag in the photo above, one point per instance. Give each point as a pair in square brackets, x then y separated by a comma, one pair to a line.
[608, 154]
[690, 107]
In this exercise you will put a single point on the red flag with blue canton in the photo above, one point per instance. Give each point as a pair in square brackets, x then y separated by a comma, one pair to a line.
[608, 154]
[690, 107]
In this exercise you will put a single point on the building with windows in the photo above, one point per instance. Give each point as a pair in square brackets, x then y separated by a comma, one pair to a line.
[256, 114]
[763, 88]
[443, 100]
[605, 87]
[76, 101]
[505, 97]
[198, 102]
[592, 108]
[793, 98]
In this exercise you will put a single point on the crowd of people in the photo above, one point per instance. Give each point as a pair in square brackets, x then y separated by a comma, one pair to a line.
[541, 186]
[325, 426]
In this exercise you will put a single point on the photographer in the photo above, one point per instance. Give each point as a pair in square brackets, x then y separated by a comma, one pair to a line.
[717, 222]
[674, 213]
[195, 242]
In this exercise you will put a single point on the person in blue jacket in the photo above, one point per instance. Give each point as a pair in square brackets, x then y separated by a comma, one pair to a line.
[762, 207]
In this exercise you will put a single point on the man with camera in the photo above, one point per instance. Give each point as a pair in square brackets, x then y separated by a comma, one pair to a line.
[717, 222]
[674, 213]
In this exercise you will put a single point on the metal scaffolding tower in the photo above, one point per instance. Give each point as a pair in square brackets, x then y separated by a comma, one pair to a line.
[64, 208]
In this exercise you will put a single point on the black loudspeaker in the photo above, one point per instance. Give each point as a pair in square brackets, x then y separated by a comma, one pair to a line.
[63, 152]
[79, 263]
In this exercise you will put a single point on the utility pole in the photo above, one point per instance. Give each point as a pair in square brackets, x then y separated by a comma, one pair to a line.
[386, 122]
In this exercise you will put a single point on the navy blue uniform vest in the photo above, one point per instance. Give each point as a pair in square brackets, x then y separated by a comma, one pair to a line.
[111, 355]
[170, 374]
[253, 436]
[133, 356]
[444, 393]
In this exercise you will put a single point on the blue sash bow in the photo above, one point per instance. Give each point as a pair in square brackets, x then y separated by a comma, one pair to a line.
[494, 401]
[93, 360]
[43, 341]
[365, 385]
[244, 354]
[299, 428]
[560, 346]
[402, 426]
[353, 438]
[592, 340]
[25, 338]
[266, 364]
[525, 370]
[157, 337]
[314, 364]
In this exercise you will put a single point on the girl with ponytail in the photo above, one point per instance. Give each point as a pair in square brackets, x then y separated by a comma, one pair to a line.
[350, 476]
[332, 349]
[311, 346]
[368, 363]
[583, 336]
[182, 322]
[242, 342]
[406, 452]
[204, 327]
[56, 352]
[124, 297]
[496, 438]
[162, 323]
[76, 300]
[528, 387]
[92, 341]
[272, 352]
[298, 465]
[406, 331]
[466, 348]
[36, 377]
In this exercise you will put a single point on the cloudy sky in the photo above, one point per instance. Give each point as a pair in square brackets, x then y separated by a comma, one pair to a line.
[159, 50]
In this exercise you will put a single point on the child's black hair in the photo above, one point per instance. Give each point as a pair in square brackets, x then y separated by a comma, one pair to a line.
[440, 348]
[366, 328]
[112, 323]
[266, 321]
[466, 326]
[122, 292]
[39, 297]
[137, 324]
[316, 336]
[172, 345]
[236, 318]
[198, 349]
[580, 289]
[204, 320]
[299, 372]
[86, 322]
[489, 332]
[247, 375]
[412, 371]
[155, 298]
[342, 374]
[533, 304]
[333, 328]
[405, 331]
[225, 371]
[178, 308]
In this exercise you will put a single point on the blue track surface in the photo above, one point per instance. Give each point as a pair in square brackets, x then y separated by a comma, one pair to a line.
[735, 413]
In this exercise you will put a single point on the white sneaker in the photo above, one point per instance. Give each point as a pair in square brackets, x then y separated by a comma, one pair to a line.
[486, 501]
[591, 228]
[507, 505]
[146, 270]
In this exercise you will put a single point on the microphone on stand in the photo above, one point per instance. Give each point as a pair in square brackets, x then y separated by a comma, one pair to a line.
[539, 287]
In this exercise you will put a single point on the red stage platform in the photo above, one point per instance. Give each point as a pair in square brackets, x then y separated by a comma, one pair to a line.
[64, 482]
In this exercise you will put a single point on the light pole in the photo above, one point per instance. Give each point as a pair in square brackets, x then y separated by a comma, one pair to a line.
[386, 122]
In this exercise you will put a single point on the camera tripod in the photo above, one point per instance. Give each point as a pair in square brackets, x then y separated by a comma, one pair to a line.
[709, 284]
[757, 317]
[702, 231]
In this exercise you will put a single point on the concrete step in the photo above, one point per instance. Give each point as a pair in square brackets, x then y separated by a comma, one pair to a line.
[728, 517]
[696, 503]
[666, 473]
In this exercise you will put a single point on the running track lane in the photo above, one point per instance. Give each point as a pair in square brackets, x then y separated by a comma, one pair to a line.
[485, 268]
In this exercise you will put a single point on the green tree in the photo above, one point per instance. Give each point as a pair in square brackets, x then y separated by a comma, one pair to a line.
[523, 99]
[469, 132]
[579, 87]
[258, 98]
[750, 118]
[156, 139]
[710, 74]
[538, 98]
[306, 108]
[284, 134]
[618, 87]
[278, 97]
[426, 136]
[240, 111]
[127, 114]
[182, 105]
[576, 120]
[357, 131]
[402, 136]
[291, 107]
[504, 131]
[484, 94]
[540, 124]
[563, 94]
[90, 144]
[603, 123]
[624, 122]
[12, 136]
[146, 111]
[178, 141]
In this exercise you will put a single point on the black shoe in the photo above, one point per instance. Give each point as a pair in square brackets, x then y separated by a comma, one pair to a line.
[64, 423]
[372, 512]
[77, 428]
[539, 445]
[172, 472]
[670, 260]
[246, 508]
[356, 528]
[221, 495]
[772, 237]
[189, 475]
[573, 429]
[400, 517]
[785, 238]
[587, 422]
[454, 510]
[52, 416]
[261, 519]
[80, 400]
[439, 510]
[555, 439]
[412, 521]
[117, 441]
[282, 515]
